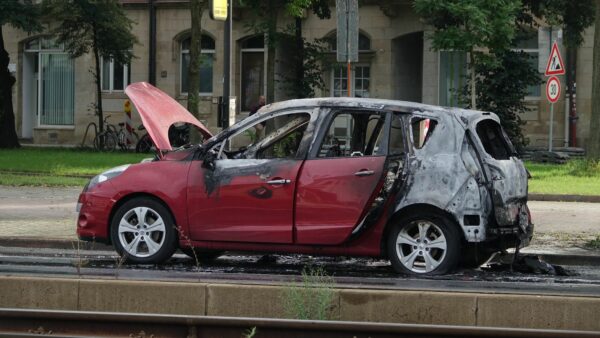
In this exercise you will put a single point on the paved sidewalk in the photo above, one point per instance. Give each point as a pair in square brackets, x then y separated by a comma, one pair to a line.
[49, 213]
[38, 212]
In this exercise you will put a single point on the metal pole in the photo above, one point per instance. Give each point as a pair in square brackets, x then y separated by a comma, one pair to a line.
[226, 67]
[348, 78]
[551, 125]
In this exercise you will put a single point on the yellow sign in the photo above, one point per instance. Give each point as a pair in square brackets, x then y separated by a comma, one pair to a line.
[218, 9]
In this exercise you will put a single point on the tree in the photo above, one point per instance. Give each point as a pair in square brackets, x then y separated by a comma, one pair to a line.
[100, 27]
[471, 26]
[502, 86]
[593, 146]
[196, 9]
[267, 13]
[20, 14]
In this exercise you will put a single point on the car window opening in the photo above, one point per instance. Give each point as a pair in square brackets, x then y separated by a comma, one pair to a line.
[354, 134]
[422, 128]
[276, 137]
[492, 139]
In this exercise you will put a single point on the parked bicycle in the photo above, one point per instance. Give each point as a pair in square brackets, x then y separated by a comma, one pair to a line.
[110, 138]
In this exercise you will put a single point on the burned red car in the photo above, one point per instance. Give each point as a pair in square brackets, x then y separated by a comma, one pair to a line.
[425, 186]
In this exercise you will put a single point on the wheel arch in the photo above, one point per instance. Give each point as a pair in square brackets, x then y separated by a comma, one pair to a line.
[413, 209]
[124, 199]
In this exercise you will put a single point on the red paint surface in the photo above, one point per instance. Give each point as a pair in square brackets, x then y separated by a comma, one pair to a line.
[159, 111]
[244, 209]
[331, 198]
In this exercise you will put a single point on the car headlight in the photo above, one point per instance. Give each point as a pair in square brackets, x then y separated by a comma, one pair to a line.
[107, 175]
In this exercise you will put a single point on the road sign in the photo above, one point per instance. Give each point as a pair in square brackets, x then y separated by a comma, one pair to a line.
[555, 63]
[218, 9]
[347, 30]
[553, 89]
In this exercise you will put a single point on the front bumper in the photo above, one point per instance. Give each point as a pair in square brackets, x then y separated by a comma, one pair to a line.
[93, 220]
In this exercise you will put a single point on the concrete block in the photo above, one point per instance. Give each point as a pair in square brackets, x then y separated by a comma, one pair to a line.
[253, 301]
[539, 312]
[408, 307]
[38, 293]
[142, 297]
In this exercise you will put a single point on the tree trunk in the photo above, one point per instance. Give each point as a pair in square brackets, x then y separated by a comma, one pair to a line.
[593, 143]
[299, 59]
[8, 133]
[193, 103]
[99, 110]
[272, 9]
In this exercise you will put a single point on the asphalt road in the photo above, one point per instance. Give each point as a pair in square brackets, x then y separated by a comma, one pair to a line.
[50, 213]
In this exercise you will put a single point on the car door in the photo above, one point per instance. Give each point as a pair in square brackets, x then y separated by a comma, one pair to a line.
[339, 179]
[248, 196]
[505, 173]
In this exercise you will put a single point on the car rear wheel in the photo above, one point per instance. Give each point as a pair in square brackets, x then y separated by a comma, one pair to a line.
[142, 231]
[424, 245]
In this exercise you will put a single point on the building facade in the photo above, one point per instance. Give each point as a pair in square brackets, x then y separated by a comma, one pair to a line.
[54, 94]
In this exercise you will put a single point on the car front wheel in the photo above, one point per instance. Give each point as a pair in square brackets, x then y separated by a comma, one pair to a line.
[142, 231]
[424, 245]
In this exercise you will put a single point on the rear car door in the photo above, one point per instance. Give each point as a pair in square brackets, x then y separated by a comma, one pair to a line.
[339, 179]
[506, 174]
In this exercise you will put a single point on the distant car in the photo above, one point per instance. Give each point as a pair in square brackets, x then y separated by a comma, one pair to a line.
[425, 186]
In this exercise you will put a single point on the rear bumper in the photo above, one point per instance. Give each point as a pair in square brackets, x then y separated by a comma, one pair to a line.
[517, 229]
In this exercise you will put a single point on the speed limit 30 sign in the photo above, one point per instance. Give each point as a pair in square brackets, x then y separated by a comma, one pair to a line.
[553, 89]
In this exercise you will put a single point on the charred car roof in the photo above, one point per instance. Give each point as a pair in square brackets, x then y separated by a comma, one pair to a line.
[383, 104]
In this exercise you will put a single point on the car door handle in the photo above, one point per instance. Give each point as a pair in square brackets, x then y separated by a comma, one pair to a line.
[279, 181]
[364, 173]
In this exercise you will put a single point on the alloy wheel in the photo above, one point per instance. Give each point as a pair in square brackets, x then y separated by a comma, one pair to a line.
[421, 246]
[141, 232]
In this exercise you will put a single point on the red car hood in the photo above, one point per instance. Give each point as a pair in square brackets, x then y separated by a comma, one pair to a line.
[159, 111]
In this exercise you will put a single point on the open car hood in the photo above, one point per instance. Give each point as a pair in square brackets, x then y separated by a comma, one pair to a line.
[159, 111]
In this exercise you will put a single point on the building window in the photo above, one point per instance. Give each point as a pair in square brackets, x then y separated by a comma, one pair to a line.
[253, 71]
[364, 43]
[49, 84]
[360, 81]
[453, 72]
[115, 76]
[207, 45]
[529, 45]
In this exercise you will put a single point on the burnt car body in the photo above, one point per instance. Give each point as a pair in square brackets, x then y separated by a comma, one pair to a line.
[425, 186]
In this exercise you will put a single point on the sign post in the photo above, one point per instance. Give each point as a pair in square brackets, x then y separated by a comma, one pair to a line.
[347, 36]
[554, 67]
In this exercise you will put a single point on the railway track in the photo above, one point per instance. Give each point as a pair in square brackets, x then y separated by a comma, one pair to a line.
[36, 323]
[251, 269]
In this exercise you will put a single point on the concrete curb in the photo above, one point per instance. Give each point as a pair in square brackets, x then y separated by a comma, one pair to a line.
[564, 198]
[243, 300]
[592, 259]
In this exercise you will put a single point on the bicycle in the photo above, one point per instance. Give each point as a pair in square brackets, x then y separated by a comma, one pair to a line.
[122, 139]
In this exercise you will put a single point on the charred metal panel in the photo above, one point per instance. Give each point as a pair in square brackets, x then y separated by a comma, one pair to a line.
[438, 176]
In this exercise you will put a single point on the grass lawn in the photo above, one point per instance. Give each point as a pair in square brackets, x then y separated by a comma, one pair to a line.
[577, 177]
[71, 167]
[57, 167]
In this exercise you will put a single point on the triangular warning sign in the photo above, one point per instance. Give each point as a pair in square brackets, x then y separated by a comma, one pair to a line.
[555, 63]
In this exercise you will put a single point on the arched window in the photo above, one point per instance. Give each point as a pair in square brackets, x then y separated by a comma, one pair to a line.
[207, 44]
[360, 74]
[252, 71]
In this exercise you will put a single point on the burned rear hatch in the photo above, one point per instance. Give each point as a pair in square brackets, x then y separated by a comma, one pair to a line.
[506, 174]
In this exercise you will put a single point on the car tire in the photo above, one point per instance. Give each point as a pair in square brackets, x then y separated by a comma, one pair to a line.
[473, 255]
[151, 241]
[424, 244]
[201, 254]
